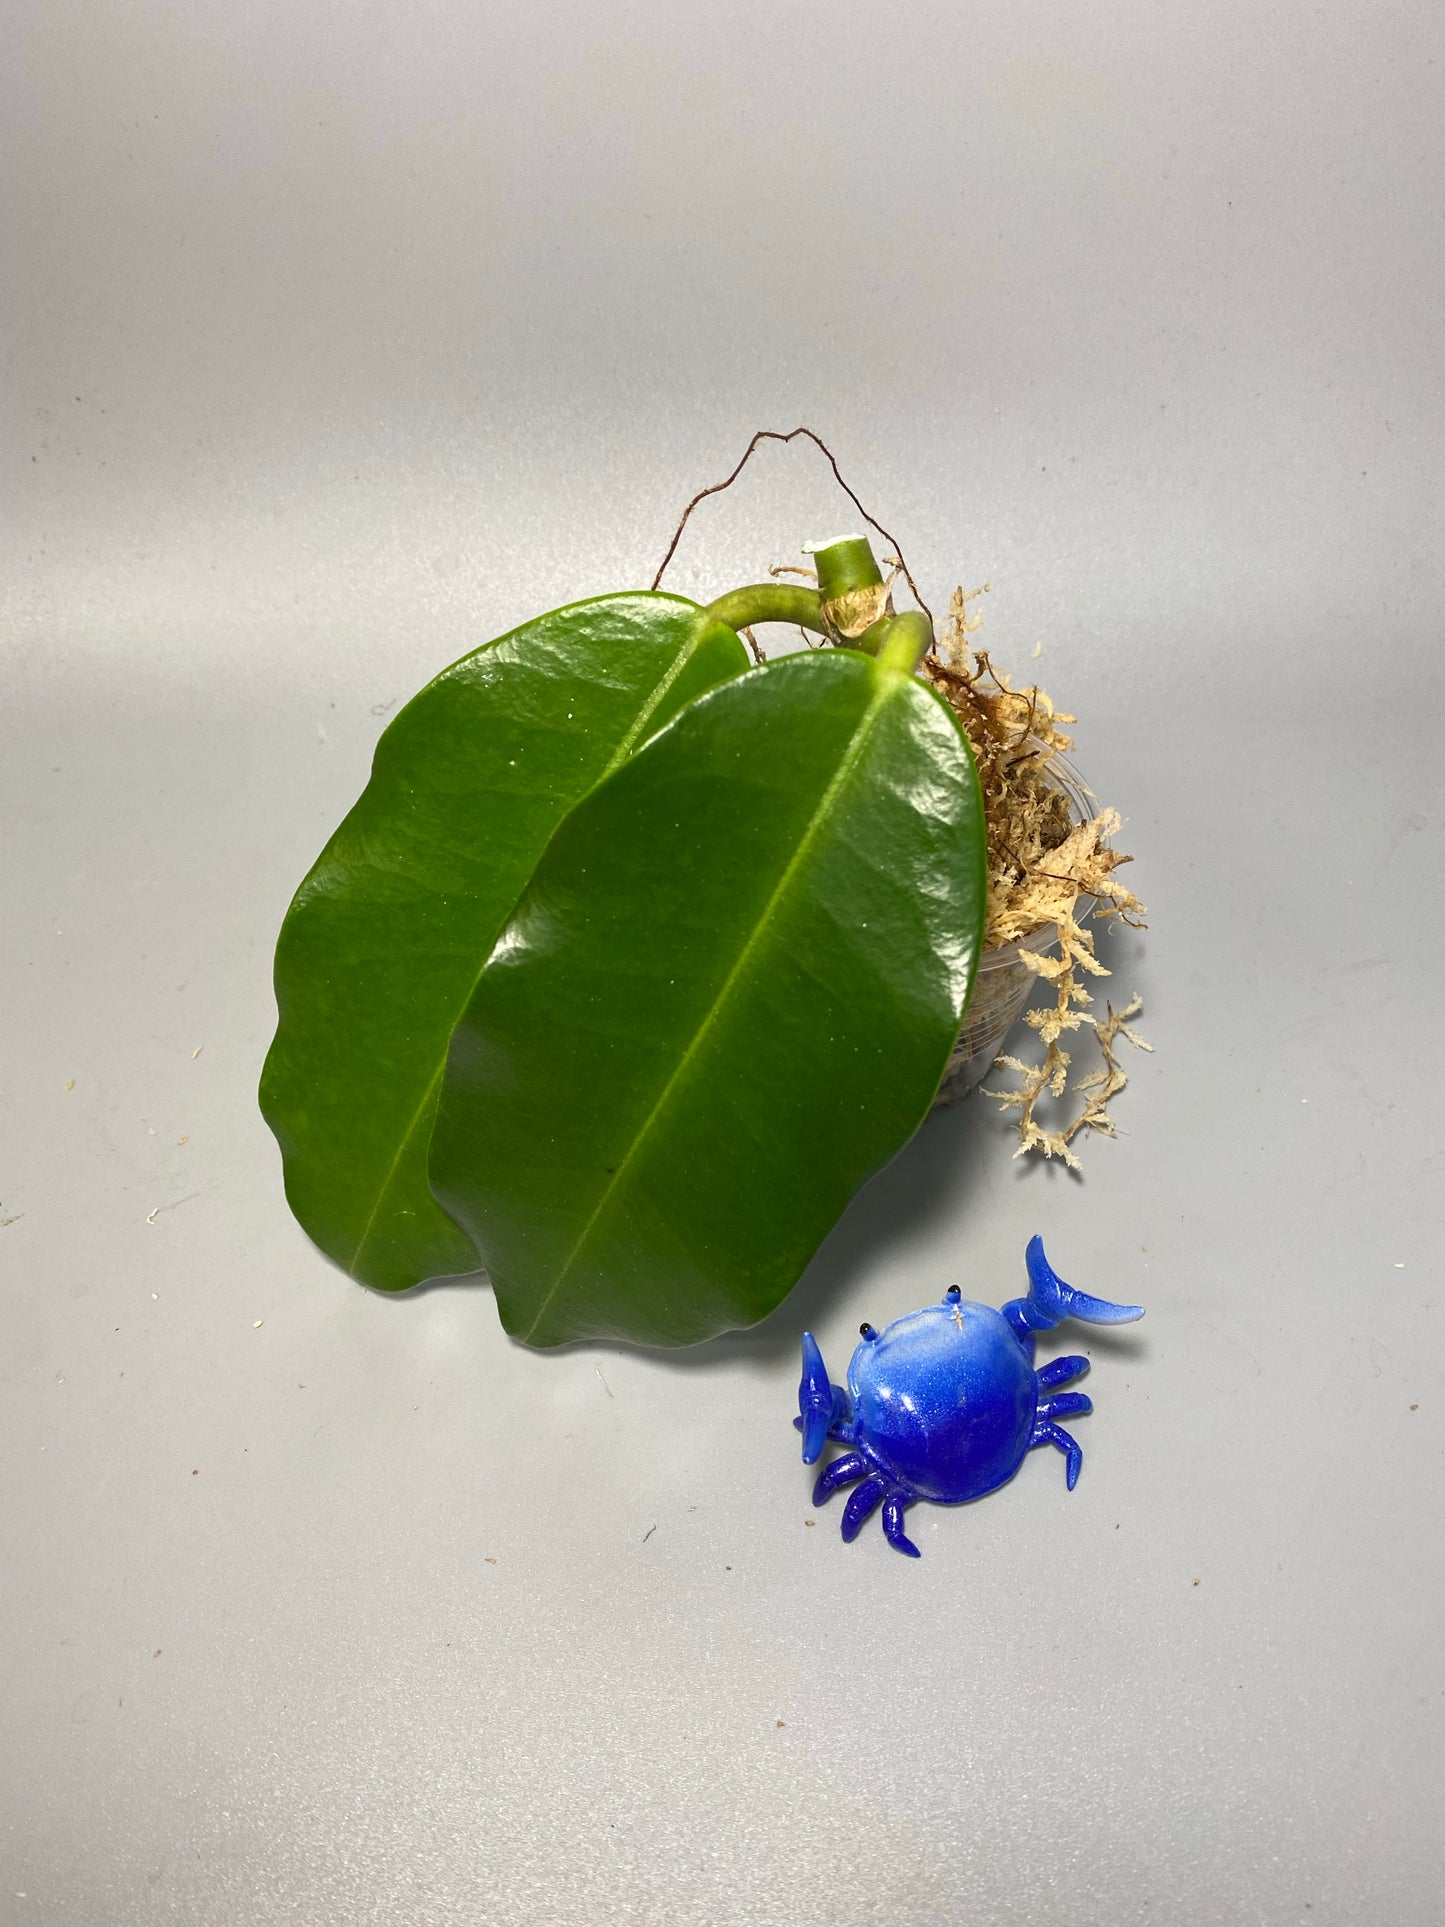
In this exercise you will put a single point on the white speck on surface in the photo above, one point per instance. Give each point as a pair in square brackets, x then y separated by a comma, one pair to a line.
[257, 1323]
[196, 1052]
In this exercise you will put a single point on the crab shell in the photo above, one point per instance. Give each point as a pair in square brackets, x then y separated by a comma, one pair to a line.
[944, 1400]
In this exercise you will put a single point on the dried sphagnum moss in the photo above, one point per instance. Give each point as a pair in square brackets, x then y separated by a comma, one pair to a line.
[1046, 873]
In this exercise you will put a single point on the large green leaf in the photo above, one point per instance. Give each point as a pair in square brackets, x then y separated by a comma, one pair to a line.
[383, 943]
[726, 998]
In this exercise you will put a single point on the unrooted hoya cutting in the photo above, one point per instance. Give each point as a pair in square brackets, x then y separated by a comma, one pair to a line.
[1046, 872]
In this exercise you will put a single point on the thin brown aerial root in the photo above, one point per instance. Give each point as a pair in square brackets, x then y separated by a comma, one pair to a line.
[775, 435]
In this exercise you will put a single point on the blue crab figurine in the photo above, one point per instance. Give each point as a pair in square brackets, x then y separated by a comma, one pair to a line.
[946, 1402]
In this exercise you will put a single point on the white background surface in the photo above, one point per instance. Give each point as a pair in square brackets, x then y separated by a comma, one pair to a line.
[341, 338]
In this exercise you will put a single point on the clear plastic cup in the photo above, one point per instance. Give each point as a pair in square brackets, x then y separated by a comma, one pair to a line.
[1003, 984]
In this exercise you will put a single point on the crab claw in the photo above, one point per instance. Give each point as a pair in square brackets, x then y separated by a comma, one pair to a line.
[1051, 1301]
[815, 1401]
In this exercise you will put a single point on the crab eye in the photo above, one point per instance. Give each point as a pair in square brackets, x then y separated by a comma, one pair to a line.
[955, 1291]
[866, 1330]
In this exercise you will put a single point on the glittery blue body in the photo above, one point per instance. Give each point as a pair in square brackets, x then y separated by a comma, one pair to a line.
[945, 1403]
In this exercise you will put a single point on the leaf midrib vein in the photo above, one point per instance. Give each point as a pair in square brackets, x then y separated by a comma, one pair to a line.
[829, 797]
[624, 750]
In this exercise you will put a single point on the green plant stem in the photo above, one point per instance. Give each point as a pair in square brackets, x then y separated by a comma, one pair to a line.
[846, 566]
[902, 641]
[771, 602]
[898, 641]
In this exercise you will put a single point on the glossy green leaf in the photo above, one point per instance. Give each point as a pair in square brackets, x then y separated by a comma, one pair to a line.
[384, 941]
[726, 998]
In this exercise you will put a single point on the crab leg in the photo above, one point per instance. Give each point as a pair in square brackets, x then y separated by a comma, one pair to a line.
[1047, 1433]
[893, 1509]
[1066, 1405]
[1060, 1370]
[842, 1471]
[861, 1502]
